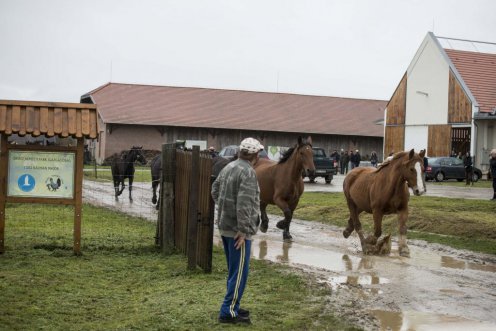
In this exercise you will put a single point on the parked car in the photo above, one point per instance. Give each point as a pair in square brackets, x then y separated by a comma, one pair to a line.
[324, 166]
[228, 152]
[441, 168]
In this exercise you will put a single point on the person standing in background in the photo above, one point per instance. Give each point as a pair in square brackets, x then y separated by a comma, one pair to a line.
[373, 159]
[344, 161]
[358, 158]
[335, 157]
[492, 165]
[467, 162]
[352, 160]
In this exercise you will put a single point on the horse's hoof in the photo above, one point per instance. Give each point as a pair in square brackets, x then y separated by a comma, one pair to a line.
[264, 226]
[346, 233]
[384, 245]
[282, 224]
[371, 240]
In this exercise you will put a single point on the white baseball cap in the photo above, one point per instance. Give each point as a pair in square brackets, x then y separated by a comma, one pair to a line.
[251, 146]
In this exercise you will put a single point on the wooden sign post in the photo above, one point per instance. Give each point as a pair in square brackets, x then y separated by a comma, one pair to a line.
[44, 174]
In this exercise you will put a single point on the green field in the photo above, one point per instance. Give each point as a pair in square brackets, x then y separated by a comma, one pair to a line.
[121, 281]
[103, 173]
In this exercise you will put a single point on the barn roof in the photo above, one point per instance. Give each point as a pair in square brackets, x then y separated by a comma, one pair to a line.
[478, 70]
[231, 109]
[48, 118]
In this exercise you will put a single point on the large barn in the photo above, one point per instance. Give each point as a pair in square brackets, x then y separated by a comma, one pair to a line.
[149, 116]
[446, 100]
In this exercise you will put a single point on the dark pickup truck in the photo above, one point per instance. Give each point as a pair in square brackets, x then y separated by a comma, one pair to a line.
[324, 166]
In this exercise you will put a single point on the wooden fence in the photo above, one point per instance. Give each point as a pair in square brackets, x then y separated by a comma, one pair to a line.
[186, 216]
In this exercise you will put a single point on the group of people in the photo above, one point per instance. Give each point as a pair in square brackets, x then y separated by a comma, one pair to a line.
[347, 160]
[350, 160]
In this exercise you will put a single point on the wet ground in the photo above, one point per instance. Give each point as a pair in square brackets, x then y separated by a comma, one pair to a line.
[437, 288]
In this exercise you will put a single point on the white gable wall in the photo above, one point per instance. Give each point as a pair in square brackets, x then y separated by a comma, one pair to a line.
[416, 137]
[427, 87]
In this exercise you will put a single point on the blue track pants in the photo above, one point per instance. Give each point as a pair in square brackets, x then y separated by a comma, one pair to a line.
[238, 261]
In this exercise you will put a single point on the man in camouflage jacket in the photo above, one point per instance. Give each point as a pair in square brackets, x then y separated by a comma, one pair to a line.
[237, 194]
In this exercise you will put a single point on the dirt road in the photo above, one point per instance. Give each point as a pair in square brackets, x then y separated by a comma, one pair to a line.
[437, 288]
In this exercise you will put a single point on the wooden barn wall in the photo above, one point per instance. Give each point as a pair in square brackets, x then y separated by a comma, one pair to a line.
[121, 137]
[439, 141]
[394, 139]
[396, 108]
[459, 105]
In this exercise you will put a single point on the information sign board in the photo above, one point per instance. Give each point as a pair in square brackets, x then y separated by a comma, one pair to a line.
[41, 174]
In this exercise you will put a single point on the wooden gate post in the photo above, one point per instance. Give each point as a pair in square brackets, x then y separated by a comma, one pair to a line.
[78, 196]
[3, 188]
[193, 207]
[167, 197]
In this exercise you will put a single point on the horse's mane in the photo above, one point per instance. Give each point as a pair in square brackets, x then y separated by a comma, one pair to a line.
[391, 159]
[286, 155]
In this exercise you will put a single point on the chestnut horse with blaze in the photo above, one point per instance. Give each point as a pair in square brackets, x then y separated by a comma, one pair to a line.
[383, 191]
[281, 183]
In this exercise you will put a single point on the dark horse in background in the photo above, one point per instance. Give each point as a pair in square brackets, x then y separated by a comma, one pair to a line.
[281, 183]
[123, 167]
[380, 192]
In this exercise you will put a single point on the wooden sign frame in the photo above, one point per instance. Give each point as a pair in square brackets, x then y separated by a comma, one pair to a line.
[76, 201]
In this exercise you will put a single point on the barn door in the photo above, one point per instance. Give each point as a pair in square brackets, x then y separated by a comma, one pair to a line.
[460, 140]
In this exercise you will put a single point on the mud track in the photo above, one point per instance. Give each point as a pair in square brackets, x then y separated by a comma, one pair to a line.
[436, 288]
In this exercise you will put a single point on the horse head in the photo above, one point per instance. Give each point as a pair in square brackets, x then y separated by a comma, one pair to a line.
[305, 154]
[413, 170]
[136, 154]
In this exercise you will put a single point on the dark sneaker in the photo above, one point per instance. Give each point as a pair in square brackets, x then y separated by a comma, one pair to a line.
[243, 312]
[235, 320]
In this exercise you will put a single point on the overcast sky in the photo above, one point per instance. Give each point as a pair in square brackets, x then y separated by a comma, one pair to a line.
[57, 50]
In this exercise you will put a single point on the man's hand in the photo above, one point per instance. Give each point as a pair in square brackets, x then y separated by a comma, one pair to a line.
[239, 240]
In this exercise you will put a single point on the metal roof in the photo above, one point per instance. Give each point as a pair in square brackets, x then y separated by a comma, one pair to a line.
[231, 109]
[479, 73]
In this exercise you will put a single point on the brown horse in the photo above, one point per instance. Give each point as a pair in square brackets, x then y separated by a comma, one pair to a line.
[281, 183]
[383, 191]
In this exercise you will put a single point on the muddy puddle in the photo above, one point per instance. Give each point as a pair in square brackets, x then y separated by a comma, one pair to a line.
[437, 288]
[431, 290]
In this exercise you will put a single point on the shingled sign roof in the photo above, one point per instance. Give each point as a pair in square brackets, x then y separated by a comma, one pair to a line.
[242, 110]
[48, 118]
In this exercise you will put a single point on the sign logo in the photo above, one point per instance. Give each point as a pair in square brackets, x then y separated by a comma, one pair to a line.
[26, 182]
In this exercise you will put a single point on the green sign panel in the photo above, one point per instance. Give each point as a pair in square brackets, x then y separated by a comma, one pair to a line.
[41, 174]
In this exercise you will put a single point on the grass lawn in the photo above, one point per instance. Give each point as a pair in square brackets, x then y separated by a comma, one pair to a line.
[480, 184]
[121, 282]
[459, 223]
[103, 173]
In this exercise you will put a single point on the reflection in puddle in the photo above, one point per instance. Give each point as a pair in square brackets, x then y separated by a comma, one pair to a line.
[301, 255]
[432, 259]
[357, 280]
[450, 262]
[412, 320]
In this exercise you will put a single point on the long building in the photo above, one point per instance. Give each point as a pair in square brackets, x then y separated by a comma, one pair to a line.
[149, 116]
